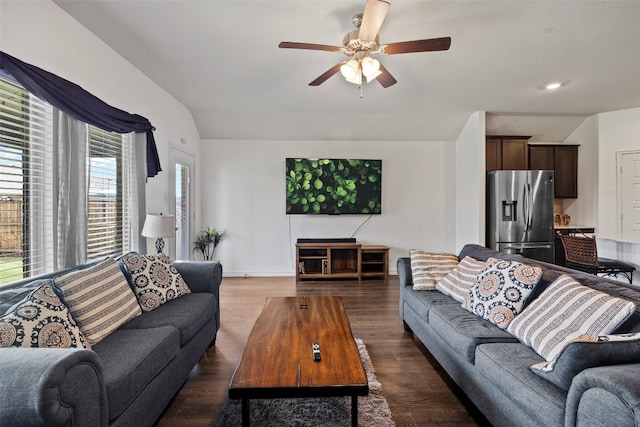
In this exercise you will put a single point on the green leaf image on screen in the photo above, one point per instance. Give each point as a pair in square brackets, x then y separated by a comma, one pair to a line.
[333, 186]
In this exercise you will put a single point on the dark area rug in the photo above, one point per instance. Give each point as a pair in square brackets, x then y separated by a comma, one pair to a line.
[373, 410]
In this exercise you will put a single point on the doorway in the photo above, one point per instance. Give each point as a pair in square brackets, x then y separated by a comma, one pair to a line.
[182, 170]
[629, 193]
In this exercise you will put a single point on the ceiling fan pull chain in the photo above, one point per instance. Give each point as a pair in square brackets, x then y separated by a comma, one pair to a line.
[360, 91]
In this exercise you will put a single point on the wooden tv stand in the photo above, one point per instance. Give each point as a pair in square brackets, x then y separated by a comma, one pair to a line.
[345, 261]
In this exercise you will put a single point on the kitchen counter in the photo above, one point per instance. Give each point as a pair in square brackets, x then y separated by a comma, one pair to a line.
[581, 228]
[621, 237]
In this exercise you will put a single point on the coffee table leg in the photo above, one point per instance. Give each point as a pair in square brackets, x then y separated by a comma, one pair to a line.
[245, 413]
[354, 411]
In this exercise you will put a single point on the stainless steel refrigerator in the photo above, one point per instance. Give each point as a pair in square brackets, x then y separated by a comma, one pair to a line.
[520, 213]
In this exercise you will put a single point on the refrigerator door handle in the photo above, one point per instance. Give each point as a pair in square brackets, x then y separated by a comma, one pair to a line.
[521, 246]
[530, 206]
[527, 206]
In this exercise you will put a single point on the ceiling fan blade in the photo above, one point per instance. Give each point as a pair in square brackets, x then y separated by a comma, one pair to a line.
[386, 79]
[325, 76]
[427, 45]
[372, 18]
[309, 46]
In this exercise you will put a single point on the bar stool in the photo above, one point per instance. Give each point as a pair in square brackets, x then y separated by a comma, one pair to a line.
[581, 253]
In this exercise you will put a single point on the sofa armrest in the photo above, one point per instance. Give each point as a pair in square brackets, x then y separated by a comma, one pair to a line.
[403, 267]
[605, 395]
[201, 276]
[51, 387]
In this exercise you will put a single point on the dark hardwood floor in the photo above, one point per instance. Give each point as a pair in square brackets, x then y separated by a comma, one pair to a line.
[418, 391]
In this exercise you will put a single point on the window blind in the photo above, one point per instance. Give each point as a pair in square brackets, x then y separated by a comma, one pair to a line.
[107, 207]
[26, 177]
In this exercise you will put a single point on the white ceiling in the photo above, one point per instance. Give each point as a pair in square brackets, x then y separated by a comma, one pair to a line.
[221, 60]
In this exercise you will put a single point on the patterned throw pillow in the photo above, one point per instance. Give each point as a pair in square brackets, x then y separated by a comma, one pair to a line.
[588, 351]
[501, 290]
[457, 283]
[99, 298]
[427, 268]
[154, 279]
[565, 311]
[41, 320]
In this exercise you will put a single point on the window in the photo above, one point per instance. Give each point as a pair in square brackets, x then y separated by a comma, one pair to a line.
[28, 190]
[106, 211]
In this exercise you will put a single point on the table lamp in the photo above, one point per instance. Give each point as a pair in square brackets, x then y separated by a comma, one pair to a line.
[159, 226]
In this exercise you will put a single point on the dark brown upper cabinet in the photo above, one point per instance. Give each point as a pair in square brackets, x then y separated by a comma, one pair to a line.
[507, 152]
[563, 159]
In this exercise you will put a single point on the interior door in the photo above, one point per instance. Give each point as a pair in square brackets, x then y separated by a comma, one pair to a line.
[630, 192]
[182, 170]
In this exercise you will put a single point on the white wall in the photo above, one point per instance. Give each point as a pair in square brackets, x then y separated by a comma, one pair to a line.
[584, 209]
[244, 188]
[618, 131]
[470, 182]
[40, 33]
[601, 138]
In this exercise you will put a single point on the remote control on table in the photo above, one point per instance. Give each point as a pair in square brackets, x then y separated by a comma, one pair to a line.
[316, 352]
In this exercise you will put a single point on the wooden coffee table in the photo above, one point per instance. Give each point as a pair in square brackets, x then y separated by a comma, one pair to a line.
[277, 361]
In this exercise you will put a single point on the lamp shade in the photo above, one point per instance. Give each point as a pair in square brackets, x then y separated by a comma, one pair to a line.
[350, 69]
[159, 225]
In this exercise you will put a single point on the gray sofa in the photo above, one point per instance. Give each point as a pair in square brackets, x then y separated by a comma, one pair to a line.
[128, 378]
[493, 368]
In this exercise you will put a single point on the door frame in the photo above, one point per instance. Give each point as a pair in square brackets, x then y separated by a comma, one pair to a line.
[179, 156]
[619, 158]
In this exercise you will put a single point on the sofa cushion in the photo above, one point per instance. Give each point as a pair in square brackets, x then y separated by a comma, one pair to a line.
[131, 359]
[565, 311]
[457, 283]
[188, 314]
[587, 352]
[41, 320]
[506, 366]
[501, 291]
[155, 281]
[427, 268]
[421, 302]
[99, 298]
[464, 331]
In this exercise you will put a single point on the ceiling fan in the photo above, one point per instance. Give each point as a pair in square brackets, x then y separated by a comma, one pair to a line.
[360, 44]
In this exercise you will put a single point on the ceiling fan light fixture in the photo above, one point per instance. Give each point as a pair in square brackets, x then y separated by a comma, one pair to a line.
[350, 69]
[356, 80]
[373, 76]
[370, 66]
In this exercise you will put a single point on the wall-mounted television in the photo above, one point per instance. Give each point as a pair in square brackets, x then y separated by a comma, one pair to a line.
[333, 186]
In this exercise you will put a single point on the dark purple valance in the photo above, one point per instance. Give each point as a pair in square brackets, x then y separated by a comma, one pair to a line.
[81, 105]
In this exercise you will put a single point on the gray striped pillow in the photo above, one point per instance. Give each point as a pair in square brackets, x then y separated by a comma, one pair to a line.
[565, 311]
[99, 298]
[457, 283]
[427, 268]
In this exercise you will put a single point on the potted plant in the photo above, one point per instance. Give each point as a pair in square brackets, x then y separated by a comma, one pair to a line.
[207, 241]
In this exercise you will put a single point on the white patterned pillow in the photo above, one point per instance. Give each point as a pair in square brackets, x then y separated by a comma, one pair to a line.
[457, 283]
[41, 320]
[565, 311]
[155, 280]
[427, 268]
[501, 290]
[99, 298]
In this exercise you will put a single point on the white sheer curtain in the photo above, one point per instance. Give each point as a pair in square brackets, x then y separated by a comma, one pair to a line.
[135, 180]
[70, 148]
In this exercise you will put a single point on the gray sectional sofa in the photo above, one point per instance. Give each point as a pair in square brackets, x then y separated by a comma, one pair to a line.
[128, 378]
[492, 367]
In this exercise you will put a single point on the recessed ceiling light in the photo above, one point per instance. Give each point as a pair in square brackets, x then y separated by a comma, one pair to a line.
[552, 85]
